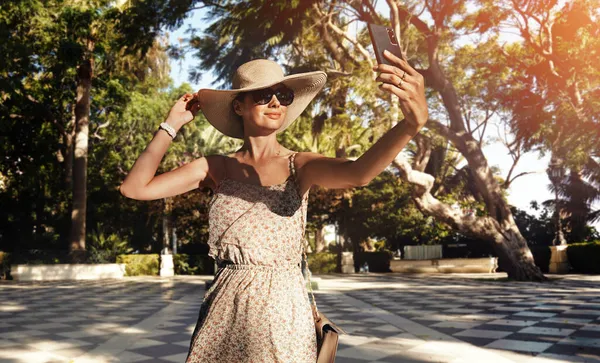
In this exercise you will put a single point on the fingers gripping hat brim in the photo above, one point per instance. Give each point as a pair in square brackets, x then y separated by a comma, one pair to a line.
[218, 110]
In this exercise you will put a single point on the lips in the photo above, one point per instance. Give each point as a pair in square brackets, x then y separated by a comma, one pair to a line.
[273, 115]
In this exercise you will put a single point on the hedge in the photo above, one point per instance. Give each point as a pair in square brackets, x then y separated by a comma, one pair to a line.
[39, 257]
[193, 264]
[584, 257]
[322, 262]
[5, 259]
[377, 261]
[541, 257]
[137, 265]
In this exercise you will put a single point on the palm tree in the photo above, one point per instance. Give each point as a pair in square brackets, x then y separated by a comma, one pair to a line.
[576, 193]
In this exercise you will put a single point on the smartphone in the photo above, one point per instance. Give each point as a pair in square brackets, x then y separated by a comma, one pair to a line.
[384, 38]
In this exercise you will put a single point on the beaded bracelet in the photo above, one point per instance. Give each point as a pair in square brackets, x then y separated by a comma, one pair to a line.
[168, 128]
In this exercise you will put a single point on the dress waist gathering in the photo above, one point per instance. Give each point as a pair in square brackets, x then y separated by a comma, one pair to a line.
[239, 266]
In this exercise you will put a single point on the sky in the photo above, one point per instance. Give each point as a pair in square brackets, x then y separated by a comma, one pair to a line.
[531, 187]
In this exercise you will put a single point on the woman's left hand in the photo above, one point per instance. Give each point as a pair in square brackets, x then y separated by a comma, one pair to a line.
[404, 81]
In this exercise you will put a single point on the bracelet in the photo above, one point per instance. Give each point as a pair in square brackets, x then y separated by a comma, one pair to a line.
[168, 128]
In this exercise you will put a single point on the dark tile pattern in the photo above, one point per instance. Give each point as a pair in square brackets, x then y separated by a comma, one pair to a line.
[566, 308]
[559, 318]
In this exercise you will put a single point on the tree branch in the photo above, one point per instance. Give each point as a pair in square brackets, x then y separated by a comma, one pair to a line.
[467, 224]
[354, 42]
[507, 183]
[98, 129]
[331, 44]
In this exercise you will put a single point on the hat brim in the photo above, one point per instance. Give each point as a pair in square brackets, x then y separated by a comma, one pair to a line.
[218, 110]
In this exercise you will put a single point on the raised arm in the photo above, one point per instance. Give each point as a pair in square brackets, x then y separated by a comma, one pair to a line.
[142, 183]
[408, 85]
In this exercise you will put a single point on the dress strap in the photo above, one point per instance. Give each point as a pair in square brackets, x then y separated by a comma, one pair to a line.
[292, 166]
[225, 157]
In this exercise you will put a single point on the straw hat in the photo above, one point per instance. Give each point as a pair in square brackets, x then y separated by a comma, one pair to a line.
[255, 75]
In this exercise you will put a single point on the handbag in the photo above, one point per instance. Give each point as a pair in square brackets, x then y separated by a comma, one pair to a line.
[327, 332]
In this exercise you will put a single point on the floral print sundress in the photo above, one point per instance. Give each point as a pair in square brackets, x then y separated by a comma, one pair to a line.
[257, 309]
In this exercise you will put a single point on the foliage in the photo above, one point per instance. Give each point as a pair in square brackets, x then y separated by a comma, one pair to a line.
[541, 256]
[384, 210]
[193, 264]
[5, 262]
[39, 257]
[322, 262]
[105, 249]
[131, 94]
[584, 257]
[246, 30]
[377, 261]
[536, 230]
[139, 265]
[47, 41]
[576, 197]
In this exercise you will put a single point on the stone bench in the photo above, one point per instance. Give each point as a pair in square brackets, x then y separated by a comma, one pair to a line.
[68, 272]
[446, 265]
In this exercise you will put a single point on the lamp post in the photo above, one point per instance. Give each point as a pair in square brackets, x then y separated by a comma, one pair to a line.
[556, 173]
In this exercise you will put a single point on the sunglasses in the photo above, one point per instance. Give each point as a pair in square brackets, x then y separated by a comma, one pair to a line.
[285, 96]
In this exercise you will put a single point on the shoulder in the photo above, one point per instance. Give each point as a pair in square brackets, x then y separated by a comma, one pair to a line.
[302, 158]
[217, 165]
[221, 159]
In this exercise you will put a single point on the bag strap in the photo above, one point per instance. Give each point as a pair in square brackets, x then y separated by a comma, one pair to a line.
[304, 241]
[308, 273]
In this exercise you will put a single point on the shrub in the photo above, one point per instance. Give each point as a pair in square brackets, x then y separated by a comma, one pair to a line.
[322, 262]
[541, 257]
[138, 265]
[105, 249]
[585, 257]
[193, 264]
[40, 257]
[5, 262]
[377, 261]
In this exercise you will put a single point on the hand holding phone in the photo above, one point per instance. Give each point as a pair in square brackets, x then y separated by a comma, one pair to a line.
[384, 38]
[398, 77]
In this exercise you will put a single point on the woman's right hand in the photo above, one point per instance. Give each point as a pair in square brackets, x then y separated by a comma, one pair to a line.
[184, 110]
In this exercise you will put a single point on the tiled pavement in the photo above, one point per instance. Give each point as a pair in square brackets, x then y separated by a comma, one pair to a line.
[98, 321]
[389, 318]
[458, 317]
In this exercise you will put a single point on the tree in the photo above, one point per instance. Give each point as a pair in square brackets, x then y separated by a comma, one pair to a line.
[65, 55]
[553, 94]
[435, 50]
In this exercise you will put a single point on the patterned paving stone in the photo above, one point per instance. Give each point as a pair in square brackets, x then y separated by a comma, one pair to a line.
[389, 317]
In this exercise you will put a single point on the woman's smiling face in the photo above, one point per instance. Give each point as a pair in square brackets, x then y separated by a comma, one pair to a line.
[263, 119]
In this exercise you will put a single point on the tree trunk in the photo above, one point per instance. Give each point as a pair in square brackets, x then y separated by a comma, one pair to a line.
[498, 226]
[165, 234]
[514, 255]
[68, 141]
[319, 239]
[166, 225]
[82, 120]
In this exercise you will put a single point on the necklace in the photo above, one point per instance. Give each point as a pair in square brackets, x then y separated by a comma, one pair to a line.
[278, 153]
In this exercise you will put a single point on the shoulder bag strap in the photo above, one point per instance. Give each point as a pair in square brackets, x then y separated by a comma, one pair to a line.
[304, 241]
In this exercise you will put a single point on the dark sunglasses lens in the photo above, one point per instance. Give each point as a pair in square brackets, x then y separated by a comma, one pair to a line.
[285, 96]
[262, 97]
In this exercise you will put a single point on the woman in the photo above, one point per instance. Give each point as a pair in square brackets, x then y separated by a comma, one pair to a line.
[257, 309]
